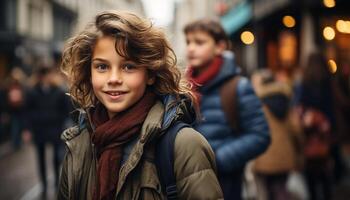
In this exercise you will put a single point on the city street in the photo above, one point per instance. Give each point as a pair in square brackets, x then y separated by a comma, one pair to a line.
[18, 174]
[264, 83]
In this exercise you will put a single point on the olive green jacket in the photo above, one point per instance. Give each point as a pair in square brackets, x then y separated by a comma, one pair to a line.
[194, 162]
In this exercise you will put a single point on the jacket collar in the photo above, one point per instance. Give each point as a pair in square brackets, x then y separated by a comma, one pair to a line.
[161, 116]
[177, 110]
[228, 70]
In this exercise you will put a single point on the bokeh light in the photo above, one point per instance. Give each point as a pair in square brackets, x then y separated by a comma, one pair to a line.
[343, 26]
[332, 65]
[289, 21]
[329, 3]
[328, 33]
[247, 37]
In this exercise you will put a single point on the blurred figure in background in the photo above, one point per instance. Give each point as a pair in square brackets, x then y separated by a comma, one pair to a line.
[318, 122]
[47, 109]
[234, 123]
[2, 113]
[14, 104]
[342, 110]
[284, 154]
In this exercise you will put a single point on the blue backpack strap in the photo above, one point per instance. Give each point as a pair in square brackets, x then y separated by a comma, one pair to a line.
[165, 159]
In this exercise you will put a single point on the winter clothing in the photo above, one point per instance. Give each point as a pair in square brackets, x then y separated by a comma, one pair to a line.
[318, 160]
[207, 74]
[318, 100]
[194, 163]
[285, 130]
[109, 138]
[46, 111]
[284, 154]
[233, 148]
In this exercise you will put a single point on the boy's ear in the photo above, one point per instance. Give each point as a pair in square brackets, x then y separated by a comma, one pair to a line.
[221, 46]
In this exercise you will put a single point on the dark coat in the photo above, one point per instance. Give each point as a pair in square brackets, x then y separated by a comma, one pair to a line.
[46, 112]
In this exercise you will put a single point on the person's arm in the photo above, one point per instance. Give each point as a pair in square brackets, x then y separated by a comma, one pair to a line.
[253, 137]
[194, 165]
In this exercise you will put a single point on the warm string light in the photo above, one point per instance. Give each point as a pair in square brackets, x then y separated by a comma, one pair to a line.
[288, 21]
[343, 26]
[332, 66]
[247, 37]
[328, 33]
[329, 3]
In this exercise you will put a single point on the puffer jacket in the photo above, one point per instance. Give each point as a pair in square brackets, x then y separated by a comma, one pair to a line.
[194, 160]
[233, 149]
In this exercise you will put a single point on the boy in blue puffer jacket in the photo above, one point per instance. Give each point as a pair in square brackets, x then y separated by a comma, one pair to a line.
[210, 67]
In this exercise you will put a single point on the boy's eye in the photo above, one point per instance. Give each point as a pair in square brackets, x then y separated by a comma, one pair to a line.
[199, 42]
[101, 66]
[128, 66]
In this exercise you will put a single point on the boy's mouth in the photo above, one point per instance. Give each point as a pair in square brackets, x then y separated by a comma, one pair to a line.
[115, 93]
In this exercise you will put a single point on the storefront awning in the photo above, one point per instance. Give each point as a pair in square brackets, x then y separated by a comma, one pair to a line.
[237, 17]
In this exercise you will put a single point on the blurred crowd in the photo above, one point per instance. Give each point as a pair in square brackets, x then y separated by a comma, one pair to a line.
[36, 109]
[307, 111]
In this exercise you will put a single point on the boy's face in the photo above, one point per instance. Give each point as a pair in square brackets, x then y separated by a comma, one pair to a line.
[201, 49]
[117, 83]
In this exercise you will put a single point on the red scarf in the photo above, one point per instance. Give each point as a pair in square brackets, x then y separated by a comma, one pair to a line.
[205, 76]
[208, 74]
[109, 137]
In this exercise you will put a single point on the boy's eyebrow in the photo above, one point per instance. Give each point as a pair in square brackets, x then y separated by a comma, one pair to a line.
[99, 59]
[105, 60]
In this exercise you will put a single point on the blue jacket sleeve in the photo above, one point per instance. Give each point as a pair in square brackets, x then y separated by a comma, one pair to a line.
[253, 137]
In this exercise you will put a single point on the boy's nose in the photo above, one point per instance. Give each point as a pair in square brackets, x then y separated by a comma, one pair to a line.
[189, 48]
[115, 78]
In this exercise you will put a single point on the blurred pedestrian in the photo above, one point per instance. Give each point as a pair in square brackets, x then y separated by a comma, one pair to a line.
[318, 123]
[342, 110]
[14, 104]
[47, 109]
[125, 79]
[233, 120]
[3, 114]
[284, 155]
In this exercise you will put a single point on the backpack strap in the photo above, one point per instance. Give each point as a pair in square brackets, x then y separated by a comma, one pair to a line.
[228, 96]
[165, 159]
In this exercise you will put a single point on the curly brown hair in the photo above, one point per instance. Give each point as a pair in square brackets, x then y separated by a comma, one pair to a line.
[136, 40]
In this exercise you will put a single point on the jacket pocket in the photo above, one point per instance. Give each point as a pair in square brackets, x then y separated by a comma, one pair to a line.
[150, 187]
[150, 192]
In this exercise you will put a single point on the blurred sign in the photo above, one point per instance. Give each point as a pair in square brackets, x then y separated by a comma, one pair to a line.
[237, 17]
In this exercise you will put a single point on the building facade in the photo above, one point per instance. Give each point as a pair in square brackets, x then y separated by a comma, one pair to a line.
[185, 12]
[33, 32]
